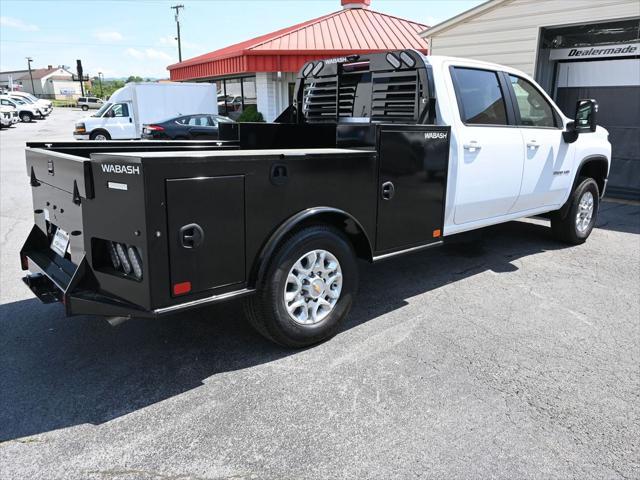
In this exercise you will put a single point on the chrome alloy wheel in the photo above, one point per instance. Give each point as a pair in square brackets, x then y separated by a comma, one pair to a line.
[313, 287]
[585, 212]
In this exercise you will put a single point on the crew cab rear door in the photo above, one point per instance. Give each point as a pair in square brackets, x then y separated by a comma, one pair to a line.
[490, 150]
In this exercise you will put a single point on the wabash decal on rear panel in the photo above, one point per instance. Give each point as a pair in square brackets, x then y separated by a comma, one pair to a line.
[124, 169]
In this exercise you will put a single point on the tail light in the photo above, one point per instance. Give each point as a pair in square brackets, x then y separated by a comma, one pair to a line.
[117, 258]
[155, 128]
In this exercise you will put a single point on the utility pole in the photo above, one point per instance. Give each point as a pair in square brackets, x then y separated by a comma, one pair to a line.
[177, 9]
[100, 82]
[29, 60]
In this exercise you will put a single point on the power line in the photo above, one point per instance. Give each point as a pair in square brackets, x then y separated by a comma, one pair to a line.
[75, 44]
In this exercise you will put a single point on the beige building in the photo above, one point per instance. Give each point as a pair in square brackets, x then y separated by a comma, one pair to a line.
[50, 82]
[574, 49]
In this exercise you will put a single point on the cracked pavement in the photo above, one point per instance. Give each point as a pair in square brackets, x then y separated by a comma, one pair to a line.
[508, 355]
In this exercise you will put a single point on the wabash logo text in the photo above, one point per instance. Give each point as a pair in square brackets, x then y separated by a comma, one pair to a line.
[441, 135]
[126, 169]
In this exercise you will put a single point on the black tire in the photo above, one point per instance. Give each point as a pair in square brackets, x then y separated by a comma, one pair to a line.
[565, 228]
[97, 133]
[26, 117]
[84, 108]
[266, 309]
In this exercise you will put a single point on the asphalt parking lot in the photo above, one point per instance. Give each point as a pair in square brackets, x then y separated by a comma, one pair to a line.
[506, 356]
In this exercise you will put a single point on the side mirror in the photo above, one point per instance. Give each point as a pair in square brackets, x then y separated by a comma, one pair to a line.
[584, 120]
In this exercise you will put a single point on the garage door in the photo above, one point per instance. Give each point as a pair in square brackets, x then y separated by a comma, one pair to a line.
[615, 84]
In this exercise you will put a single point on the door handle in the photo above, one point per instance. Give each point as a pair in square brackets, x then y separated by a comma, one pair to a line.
[532, 144]
[388, 190]
[472, 146]
[191, 236]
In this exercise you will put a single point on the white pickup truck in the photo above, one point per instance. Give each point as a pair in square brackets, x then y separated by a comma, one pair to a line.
[378, 156]
[513, 152]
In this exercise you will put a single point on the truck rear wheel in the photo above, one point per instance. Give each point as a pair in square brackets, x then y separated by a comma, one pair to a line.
[308, 289]
[578, 224]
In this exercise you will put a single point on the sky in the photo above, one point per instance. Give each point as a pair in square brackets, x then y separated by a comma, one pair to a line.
[125, 37]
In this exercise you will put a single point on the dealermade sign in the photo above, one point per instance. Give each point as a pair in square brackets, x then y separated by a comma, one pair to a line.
[596, 51]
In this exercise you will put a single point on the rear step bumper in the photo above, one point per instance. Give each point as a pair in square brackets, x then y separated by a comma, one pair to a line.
[56, 279]
[43, 288]
[85, 302]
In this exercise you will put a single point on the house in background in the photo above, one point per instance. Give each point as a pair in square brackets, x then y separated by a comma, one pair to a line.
[51, 82]
[574, 49]
[262, 71]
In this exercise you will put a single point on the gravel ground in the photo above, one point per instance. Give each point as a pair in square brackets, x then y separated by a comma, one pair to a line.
[509, 356]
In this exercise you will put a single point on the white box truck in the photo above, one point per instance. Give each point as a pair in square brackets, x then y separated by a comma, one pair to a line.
[135, 104]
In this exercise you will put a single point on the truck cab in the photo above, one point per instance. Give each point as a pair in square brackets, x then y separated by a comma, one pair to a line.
[378, 156]
[513, 152]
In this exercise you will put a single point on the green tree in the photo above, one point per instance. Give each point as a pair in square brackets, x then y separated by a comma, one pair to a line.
[251, 114]
[134, 78]
[108, 87]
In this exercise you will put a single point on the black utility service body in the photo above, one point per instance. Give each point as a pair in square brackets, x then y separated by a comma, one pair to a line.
[357, 150]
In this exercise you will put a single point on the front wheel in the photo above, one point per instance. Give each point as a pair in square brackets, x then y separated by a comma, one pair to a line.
[308, 288]
[100, 135]
[578, 224]
[26, 117]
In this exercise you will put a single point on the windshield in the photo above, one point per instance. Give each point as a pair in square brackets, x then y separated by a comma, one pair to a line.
[102, 109]
[19, 102]
[27, 96]
[25, 100]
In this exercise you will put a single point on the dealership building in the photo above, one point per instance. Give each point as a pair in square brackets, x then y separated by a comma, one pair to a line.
[262, 71]
[574, 49]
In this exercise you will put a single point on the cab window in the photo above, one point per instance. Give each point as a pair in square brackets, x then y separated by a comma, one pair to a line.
[480, 97]
[119, 110]
[534, 109]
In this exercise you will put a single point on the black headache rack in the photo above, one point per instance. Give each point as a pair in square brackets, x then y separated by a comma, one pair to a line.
[356, 122]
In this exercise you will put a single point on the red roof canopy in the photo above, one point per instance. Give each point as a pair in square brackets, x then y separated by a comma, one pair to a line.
[351, 30]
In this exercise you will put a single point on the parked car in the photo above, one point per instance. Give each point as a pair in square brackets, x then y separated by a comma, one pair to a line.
[45, 105]
[85, 103]
[26, 111]
[187, 127]
[34, 103]
[136, 104]
[232, 103]
[8, 116]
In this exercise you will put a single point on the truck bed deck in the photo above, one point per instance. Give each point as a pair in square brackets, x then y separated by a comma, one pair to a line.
[245, 153]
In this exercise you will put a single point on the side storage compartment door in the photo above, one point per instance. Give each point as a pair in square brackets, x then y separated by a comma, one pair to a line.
[414, 162]
[206, 233]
